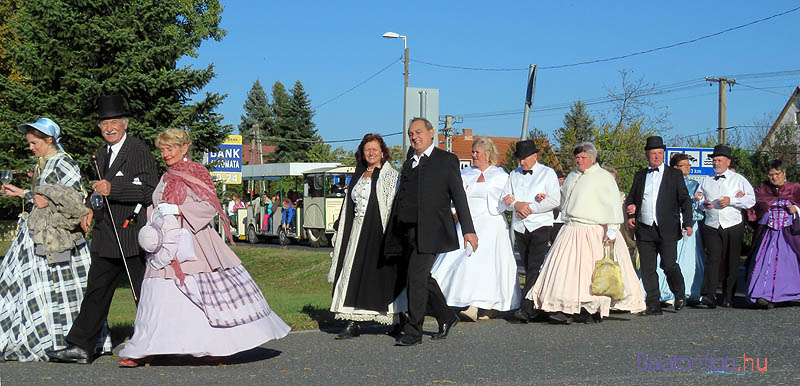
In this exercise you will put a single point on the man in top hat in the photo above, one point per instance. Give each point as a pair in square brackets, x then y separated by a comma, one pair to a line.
[658, 208]
[129, 176]
[532, 193]
[421, 227]
[723, 226]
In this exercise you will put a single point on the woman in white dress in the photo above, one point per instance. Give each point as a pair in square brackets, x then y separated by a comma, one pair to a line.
[486, 279]
[366, 286]
[590, 206]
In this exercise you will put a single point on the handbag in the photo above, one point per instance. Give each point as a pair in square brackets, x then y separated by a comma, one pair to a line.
[607, 275]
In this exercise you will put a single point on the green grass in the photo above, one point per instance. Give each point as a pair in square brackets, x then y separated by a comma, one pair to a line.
[293, 282]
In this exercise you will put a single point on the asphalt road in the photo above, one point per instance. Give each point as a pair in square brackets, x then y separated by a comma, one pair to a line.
[485, 353]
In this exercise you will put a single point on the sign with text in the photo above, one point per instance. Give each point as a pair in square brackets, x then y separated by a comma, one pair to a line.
[227, 160]
[698, 159]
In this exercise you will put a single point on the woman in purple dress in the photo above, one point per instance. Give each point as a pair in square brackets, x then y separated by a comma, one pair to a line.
[774, 272]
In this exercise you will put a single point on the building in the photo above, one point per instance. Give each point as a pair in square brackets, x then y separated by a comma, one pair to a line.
[462, 147]
[784, 136]
[250, 154]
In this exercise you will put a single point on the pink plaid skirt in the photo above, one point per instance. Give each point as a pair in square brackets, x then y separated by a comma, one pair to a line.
[228, 297]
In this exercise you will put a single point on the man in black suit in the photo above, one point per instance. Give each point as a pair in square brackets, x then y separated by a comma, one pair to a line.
[657, 200]
[421, 226]
[129, 176]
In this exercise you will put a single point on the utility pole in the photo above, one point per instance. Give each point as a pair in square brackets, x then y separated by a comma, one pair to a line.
[448, 130]
[530, 90]
[253, 144]
[723, 107]
[405, 96]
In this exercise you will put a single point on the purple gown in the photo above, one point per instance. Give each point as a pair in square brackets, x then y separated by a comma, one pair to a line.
[774, 272]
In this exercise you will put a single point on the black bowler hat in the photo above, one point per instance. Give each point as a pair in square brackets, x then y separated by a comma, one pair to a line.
[111, 106]
[525, 148]
[654, 142]
[721, 150]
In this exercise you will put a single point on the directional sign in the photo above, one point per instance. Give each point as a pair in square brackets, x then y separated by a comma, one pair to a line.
[698, 159]
[228, 161]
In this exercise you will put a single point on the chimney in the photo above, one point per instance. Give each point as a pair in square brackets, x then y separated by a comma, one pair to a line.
[467, 134]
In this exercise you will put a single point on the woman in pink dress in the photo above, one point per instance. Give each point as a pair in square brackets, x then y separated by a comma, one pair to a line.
[199, 300]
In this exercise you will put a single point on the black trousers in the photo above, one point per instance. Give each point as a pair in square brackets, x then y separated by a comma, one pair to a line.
[104, 276]
[650, 243]
[532, 247]
[722, 246]
[554, 232]
[422, 289]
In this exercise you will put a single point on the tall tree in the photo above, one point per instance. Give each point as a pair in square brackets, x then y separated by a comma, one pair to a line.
[280, 111]
[578, 127]
[256, 111]
[70, 52]
[297, 130]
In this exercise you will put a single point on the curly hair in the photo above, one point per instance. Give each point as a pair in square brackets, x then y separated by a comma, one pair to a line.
[386, 157]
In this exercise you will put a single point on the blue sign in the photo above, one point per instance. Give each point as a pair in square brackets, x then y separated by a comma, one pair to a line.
[229, 156]
[698, 159]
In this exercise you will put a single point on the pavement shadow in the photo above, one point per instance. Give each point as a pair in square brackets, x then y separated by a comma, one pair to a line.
[249, 356]
[323, 317]
[120, 332]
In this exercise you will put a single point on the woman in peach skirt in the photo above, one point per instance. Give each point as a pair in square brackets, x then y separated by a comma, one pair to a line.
[590, 203]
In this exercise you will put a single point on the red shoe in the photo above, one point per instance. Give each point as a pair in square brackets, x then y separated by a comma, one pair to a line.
[135, 362]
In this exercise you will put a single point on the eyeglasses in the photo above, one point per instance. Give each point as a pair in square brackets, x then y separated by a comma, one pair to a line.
[771, 175]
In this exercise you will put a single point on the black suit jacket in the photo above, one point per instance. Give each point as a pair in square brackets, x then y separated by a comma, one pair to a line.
[439, 185]
[673, 200]
[133, 176]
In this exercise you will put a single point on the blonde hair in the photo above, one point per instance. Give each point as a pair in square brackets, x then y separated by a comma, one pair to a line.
[486, 144]
[173, 137]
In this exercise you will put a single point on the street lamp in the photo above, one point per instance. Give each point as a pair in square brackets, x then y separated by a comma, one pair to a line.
[395, 35]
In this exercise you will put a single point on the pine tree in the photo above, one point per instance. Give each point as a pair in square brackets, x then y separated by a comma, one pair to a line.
[68, 53]
[578, 127]
[293, 123]
[256, 111]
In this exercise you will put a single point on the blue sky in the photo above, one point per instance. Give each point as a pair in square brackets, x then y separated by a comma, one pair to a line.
[331, 46]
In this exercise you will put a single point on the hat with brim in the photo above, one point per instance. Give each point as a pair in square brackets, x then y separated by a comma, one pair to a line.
[46, 126]
[111, 106]
[654, 142]
[525, 148]
[722, 150]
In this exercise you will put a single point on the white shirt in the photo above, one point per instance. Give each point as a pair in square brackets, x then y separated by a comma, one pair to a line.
[652, 183]
[525, 187]
[416, 157]
[712, 190]
[115, 149]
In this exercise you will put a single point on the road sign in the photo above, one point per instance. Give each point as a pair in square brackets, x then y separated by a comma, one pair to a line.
[228, 161]
[698, 159]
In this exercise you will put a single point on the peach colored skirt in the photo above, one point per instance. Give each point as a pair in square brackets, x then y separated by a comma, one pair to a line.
[565, 280]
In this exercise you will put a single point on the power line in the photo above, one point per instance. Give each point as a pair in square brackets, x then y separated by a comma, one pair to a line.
[359, 84]
[761, 89]
[637, 53]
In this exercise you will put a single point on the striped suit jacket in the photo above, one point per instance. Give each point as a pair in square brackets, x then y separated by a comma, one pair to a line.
[133, 176]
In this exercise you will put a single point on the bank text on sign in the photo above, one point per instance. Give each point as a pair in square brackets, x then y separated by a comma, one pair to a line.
[227, 161]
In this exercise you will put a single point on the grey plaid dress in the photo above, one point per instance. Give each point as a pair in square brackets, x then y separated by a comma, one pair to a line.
[39, 301]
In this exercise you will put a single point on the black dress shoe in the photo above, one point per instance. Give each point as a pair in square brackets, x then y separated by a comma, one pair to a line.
[651, 312]
[764, 303]
[396, 332]
[708, 302]
[520, 317]
[408, 340]
[560, 318]
[679, 303]
[725, 303]
[71, 354]
[445, 328]
[352, 330]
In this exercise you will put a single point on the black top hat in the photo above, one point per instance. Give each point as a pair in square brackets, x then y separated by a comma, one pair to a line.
[525, 148]
[721, 150]
[654, 142]
[111, 106]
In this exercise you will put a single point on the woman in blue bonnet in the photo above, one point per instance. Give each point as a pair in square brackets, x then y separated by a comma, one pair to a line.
[43, 274]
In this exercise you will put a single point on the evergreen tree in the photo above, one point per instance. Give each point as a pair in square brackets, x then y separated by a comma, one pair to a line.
[578, 127]
[256, 111]
[296, 133]
[68, 53]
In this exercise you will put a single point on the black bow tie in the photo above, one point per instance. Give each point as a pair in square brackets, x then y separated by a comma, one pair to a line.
[650, 170]
[718, 177]
[524, 172]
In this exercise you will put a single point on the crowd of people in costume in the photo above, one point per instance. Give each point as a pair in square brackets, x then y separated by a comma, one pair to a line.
[406, 244]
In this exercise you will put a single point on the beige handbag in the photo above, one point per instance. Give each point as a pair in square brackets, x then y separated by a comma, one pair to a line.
[607, 275]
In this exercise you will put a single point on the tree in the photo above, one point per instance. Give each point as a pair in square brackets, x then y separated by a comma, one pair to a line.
[256, 111]
[68, 53]
[578, 127]
[622, 148]
[295, 131]
[546, 154]
[322, 152]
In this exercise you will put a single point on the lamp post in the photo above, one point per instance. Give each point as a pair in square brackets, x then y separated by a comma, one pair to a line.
[395, 35]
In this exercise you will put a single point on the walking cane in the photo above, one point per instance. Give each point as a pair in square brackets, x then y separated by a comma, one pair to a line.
[116, 235]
